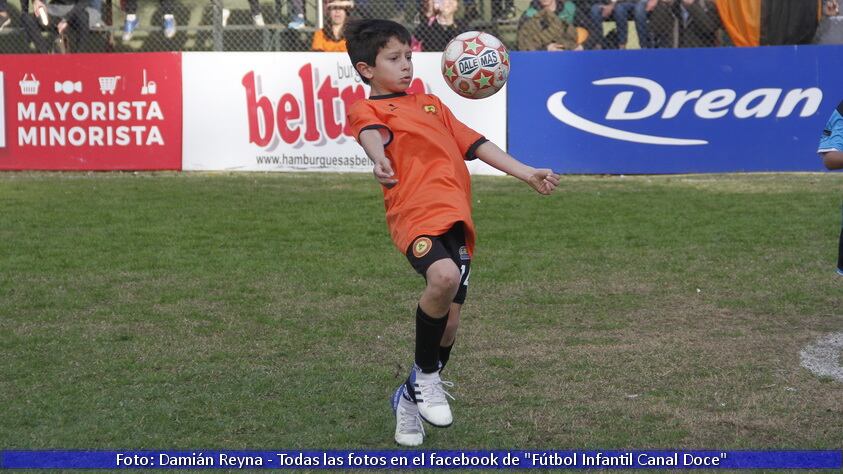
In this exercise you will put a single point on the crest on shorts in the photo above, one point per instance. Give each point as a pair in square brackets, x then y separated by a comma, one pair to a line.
[464, 253]
[431, 109]
[421, 246]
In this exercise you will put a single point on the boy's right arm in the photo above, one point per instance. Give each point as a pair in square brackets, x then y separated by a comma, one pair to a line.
[372, 143]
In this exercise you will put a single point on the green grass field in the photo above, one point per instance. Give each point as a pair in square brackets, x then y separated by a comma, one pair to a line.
[271, 311]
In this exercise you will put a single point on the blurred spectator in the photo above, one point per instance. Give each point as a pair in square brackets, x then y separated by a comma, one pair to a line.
[662, 26]
[830, 29]
[643, 11]
[132, 19]
[789, 21]
[685, 24]
[5, 20]
[503, 10]
[619, 11]
[331, 38]
[435, 32]
[698, 23]
[65, 20]
[426, 12]
[297, 20]
[547, 25]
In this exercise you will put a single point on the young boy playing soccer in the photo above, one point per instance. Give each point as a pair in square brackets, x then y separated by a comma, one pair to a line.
[418, 149]
[831, 149]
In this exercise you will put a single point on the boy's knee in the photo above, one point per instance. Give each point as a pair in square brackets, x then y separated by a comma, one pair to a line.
[444, 278]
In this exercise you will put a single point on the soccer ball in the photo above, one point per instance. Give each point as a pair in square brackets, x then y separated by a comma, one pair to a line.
[475, 64]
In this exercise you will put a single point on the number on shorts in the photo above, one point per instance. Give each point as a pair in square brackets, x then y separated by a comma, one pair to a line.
[462, 272]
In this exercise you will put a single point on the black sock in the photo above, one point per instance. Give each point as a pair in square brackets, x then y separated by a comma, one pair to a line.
[428, 335]
[444, 355]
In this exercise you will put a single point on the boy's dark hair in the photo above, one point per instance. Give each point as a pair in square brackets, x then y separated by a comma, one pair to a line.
[364, 38]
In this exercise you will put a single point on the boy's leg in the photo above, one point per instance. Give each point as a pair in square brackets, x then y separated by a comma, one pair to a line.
[443, 279]
[433, 257]
[422, 395]
[424, 385]
[450, 335]
[840, 255]
[840, 252]
[455, 244]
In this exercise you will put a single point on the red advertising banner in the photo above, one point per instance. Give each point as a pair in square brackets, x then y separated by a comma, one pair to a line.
[91, 112]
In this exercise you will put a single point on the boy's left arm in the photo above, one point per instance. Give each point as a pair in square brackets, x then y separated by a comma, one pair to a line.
[543, 180]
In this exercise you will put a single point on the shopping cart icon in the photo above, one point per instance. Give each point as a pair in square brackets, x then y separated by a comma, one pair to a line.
[108, 84]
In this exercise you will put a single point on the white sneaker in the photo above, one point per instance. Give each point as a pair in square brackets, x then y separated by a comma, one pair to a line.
[259, 20]
[431, 399]
[409, 430]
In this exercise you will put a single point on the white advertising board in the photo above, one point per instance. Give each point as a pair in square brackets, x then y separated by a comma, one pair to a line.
[287, 111]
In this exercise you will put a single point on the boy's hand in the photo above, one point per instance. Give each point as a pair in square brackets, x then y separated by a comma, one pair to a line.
[543, 180]
[384, 174]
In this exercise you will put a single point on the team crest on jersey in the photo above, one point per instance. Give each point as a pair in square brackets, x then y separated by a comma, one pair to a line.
[431, 109]
[421, 246]
[464, 253]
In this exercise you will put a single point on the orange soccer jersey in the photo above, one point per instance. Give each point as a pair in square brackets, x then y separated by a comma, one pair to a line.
[427, 147]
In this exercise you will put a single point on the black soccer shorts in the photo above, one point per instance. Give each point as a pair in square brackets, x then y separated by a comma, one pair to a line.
[427, 249]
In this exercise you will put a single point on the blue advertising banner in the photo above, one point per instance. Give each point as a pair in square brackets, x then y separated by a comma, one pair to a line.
[673, 110]
[421, 459]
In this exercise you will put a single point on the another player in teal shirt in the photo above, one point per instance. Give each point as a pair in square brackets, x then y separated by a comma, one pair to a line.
[831, 150]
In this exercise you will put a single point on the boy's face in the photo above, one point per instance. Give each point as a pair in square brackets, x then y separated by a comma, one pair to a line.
[393, 69]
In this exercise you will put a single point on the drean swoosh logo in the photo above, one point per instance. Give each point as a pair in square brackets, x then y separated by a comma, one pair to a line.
[557, 108]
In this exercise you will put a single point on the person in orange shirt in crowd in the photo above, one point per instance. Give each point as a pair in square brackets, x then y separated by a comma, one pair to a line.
[331, 37]
[419, 149]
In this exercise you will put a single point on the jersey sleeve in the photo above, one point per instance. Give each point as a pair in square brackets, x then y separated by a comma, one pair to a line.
[362, 116]
[467, 139]
[832, 139]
